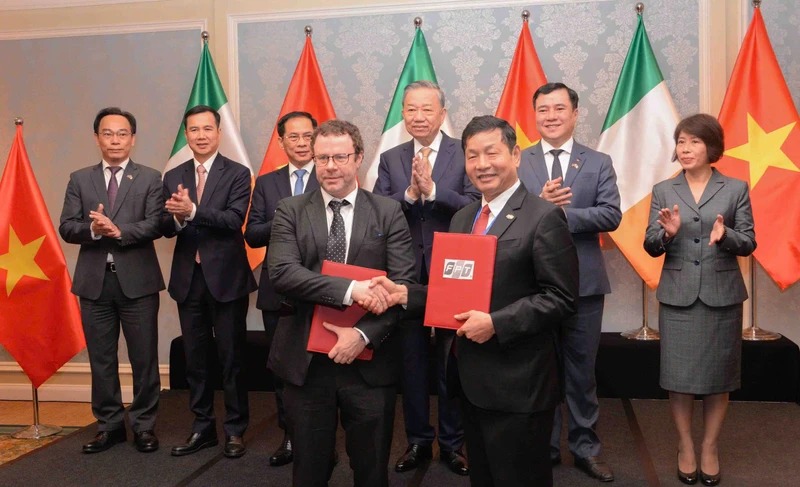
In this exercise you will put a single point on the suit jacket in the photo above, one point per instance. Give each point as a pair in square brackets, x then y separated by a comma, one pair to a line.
[379, 239]
[535, 287]
[216, 231]
[453, 191]
[594, 207]
[692, 269]
[270, 188]
[136, 212]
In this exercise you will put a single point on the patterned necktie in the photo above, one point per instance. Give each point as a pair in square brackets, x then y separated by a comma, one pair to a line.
[482, 222]
[113, 186]
[201, 181]
[337, 242]
[298, 185]
[556, 172]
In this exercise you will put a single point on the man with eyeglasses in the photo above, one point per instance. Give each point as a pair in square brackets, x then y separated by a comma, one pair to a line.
[295, 178]
[206, 204]
[338, 222]
[426, 176]
[112, 211]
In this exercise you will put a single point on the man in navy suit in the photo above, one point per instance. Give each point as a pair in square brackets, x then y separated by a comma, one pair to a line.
[426, 175]
[206, 203]
[297, 177]
[583, 183]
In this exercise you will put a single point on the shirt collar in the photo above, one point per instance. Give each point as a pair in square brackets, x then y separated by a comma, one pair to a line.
[566, 146]
[497, 204]
[208, 162]
[437, 142]
[308, 167]
[123, 165]
[350, 198]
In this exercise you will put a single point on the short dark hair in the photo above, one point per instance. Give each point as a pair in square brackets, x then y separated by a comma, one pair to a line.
[706, 128]
[488, 123]
[548, 88]
[282, 121]
[200, 109]
[339, 127]
[424, 84]
[114, 111]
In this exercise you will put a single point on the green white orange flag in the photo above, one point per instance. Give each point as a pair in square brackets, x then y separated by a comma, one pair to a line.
[207, 90]
[418, 67]
[762, 146]
[40, 321]
[307, 93]
[637, 134]
[525, 76]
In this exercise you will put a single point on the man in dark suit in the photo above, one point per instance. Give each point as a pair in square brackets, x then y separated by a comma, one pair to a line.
[583, 183]
[365, 230]
[426, 175]
[112, 211]
[206, 203]
[295, 178]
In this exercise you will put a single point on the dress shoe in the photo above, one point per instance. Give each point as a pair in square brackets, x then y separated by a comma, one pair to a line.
[455, 461]
[145, 441]
[555, 460]
[195, 443]
[234, 447]
[686, 478]
[283, 455]
[710, 479]
[596, 468]
[414, 456]
[105, 440]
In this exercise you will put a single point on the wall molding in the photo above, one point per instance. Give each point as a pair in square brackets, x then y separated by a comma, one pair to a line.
[97, 30]
[39, 4]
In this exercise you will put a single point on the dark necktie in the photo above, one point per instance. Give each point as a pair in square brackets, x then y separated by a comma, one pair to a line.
[113, 186]
[556, 171]
[298, 185]
[482, 222]
[337, 241]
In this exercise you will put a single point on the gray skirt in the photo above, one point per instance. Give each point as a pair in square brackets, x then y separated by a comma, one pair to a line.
[701, 348]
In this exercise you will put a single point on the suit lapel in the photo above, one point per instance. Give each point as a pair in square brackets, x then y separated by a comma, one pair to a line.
[99, 183]
[187, 178]
[684, 193]
[315, 210]
[312, 184]
[407, 157]
[508, 214]
[283, 184]
[214, 176]
[537, 166]
[362, 217]
[715, 184]
[443, 159]
[576, 162]
[128, 177]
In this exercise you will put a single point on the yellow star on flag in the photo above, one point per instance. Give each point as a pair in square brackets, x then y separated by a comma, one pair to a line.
[19, 261]
[763, 150]
[522, 139]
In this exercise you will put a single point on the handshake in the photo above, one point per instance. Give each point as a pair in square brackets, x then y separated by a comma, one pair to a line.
[379, 294]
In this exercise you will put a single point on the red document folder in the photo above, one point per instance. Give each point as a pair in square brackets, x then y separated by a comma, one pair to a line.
[321, 340]
[462, 270]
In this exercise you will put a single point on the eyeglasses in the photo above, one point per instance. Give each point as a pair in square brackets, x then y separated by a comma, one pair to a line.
[339, 159]
[294, 138]
[121, 134]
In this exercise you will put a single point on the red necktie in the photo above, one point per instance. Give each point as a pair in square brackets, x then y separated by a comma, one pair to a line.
[483, 221]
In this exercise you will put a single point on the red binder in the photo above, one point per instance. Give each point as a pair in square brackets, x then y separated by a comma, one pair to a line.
[460, 279]
[321, 340]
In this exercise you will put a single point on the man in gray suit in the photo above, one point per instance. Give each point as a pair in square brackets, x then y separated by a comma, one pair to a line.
[583, 183]
[112, 210]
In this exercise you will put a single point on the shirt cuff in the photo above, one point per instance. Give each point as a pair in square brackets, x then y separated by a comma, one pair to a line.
[192, 214]
[432, 196]
[348, 296]
[408, 198]
[94, 236]
[366, 340]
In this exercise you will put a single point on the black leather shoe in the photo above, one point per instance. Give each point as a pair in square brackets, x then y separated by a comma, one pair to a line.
[234, 447]
[455, 461]
[145, 441]
[596, 468]
[413, 457]
[105, 440]
[710, 479]
[195, 443]
[283, 455]
[686, 478]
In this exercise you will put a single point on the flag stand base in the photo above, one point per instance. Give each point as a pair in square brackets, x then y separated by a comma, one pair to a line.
[756, 334]
[36, 431]
[643, 333]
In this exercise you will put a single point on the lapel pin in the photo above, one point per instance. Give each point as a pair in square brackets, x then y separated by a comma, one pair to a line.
[574, 165]
[509, 217]
[129, 176]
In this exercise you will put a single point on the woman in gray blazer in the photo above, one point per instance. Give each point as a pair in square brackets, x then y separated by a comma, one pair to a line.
[701, 220]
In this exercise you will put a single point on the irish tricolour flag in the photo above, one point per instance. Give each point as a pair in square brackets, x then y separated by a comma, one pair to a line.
[637, 134]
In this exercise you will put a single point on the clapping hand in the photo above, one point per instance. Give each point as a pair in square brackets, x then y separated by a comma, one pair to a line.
[670, 221]
[554, 193]
[102, 225]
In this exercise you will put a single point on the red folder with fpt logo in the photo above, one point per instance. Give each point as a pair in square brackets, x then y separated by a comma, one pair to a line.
[460, 279]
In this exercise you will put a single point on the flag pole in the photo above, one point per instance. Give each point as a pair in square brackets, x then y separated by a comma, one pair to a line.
[753, 333]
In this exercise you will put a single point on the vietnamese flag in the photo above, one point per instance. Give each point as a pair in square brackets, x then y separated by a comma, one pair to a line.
[762, 147]
[525, 76]
[40, 321]
[306, 93]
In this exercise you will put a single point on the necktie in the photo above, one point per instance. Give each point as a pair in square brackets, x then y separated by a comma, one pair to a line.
[201, 181]
[556, 171]
[113, 186]
[425, 152]
[337, 242]
[298, 185]
[482, 222]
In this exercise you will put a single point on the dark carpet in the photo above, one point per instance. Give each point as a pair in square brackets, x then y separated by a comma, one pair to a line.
[759, 447]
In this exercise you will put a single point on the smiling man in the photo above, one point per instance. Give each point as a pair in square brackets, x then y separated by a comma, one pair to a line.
[583, 183]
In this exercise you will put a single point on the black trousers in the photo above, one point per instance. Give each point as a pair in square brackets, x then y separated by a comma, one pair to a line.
[271, 319]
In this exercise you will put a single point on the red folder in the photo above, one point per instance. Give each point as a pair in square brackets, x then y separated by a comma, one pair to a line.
[460, 279]
[321, 340]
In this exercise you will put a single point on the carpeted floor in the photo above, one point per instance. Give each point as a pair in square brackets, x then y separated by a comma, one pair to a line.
[759, 448]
